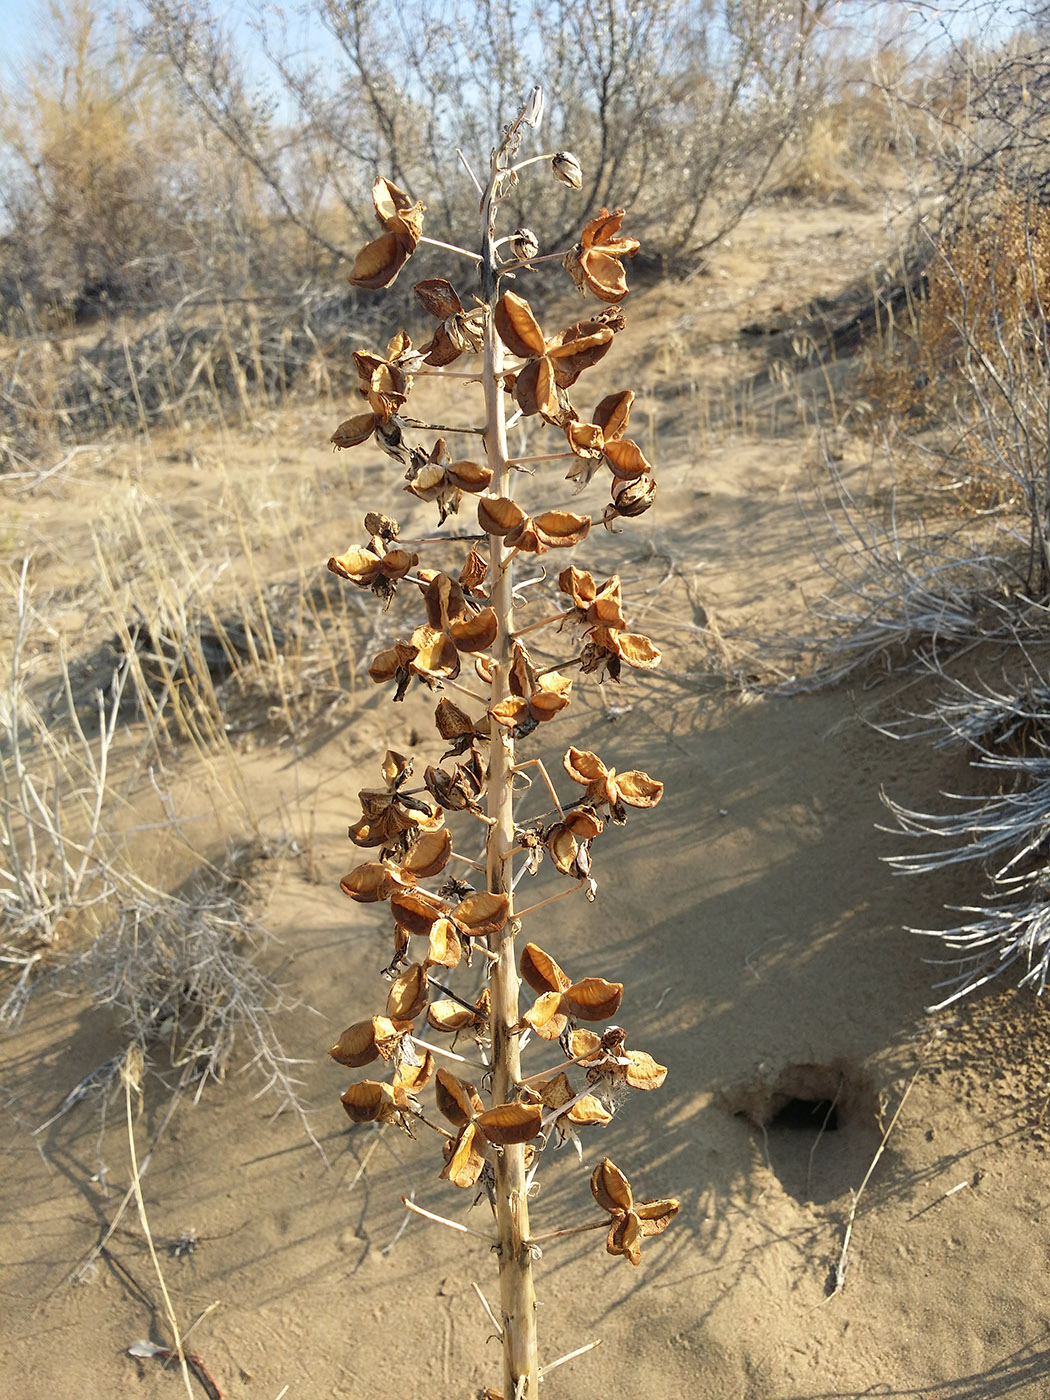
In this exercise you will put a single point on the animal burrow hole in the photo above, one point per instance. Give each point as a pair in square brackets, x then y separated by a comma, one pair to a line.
[815, 1126]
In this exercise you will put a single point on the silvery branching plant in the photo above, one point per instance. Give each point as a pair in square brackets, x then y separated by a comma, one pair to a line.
[452, 1031]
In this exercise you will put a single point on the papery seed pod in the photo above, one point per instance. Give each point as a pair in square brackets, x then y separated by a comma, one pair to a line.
[382, 525]
[525, 244]
[634, 497]
[457, 1100]
[532, 113]
[593, 999]
[567, 169]
[511, 1122]
[408, 994]
[465, 1157]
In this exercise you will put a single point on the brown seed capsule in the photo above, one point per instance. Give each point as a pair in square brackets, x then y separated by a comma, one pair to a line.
[567, 169]
[525, 244]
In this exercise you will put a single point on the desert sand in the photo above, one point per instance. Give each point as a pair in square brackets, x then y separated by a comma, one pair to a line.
[761, 938]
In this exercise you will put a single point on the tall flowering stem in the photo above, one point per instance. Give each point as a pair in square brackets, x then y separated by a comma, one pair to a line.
[517, 1292]
[501, 1126]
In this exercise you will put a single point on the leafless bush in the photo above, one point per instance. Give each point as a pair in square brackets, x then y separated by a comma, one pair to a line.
[1004, 835]
[180, 972]
[179, 969]
[708, 95]
[195, 361]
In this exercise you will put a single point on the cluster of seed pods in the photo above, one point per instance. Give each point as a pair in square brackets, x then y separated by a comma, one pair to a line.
[443, 842]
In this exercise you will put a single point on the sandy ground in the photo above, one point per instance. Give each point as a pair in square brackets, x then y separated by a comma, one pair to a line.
[760, 940]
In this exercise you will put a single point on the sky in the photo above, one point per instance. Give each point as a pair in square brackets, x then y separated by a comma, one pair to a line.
[22, 22]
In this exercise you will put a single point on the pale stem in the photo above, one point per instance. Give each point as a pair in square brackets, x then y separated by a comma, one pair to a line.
[434, 1127]
[448, 1054]
[531, 160]
[438, 427]
[485, 1304]
[464, 690]
[539, 763]
[541, 257]
[543, 1073]
[441, 1220]
[562, 1109]
[559, 665]
[451, 247]
[520, 876]
[517, 1293]
[466, 860]
[441, 539]
[505, 565]
[479, 947]
[544, 457]
[572, 1230]
[448, 373]
[544, 902]
[466, 166]
[545, 622]
[570, 1356]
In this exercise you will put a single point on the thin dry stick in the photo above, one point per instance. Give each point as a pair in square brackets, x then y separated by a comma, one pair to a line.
[80, 1273]
[840, 1267]
[569, 1356]
[442, 1220]
[127, 1074]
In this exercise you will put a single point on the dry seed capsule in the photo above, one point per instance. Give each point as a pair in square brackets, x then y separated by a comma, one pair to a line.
[525, 244]
[567, 169]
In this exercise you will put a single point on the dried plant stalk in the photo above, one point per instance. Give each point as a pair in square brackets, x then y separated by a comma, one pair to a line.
[497, 1144]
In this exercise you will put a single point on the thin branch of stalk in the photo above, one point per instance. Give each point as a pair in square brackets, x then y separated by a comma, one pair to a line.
[485, 1304]
[544, 622]
[563, 894]
[432, 373]
[564, 1064]
[450, 247]
[467, 167]
[543, 457]
[442, 1220]
[538, 763]
[569, 1230]
[448, 1054]
[570, 1355]
[439, 427]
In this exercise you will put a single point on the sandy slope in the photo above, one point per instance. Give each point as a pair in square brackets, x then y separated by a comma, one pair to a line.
[761, 943]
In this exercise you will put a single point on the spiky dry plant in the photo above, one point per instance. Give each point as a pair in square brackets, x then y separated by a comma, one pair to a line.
[444, 923]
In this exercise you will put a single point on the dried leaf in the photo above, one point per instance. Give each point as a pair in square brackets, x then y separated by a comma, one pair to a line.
[371, 1102]
[438, 297]
[370, 883]
[355, 430]
[613, 414]
[643, 1072]
[627, 459]
[497, 515]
